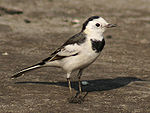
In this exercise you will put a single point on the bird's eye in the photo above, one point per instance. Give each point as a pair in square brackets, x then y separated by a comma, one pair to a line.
[97, 24]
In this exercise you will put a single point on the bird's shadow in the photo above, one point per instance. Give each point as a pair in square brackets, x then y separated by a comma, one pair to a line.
[93, 85]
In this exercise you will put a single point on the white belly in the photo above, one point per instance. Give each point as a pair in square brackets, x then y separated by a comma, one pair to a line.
[80, 61]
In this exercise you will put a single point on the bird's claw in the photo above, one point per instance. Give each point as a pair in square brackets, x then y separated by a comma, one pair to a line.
[77, 100]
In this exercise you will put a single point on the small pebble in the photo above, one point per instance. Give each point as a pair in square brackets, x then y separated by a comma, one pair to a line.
[84, 83]
[144, 41]
[11, 11]
[27, 21]
[5, 54]
[75, 21]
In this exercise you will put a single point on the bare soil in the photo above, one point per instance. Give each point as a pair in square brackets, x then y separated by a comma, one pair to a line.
[119, 80]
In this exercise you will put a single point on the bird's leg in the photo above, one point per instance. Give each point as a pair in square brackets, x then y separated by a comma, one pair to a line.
[72, 99]
[79, 81]
[75, 99]
[78, 98]
[69, 84]
[80, 89]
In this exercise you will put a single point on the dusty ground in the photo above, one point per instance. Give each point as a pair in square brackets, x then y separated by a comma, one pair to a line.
[119, 80]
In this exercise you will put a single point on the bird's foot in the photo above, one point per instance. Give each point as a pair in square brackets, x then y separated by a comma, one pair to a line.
[78, 98]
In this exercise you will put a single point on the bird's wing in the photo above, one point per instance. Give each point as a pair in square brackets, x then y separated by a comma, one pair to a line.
[69, 48]
[66, 51]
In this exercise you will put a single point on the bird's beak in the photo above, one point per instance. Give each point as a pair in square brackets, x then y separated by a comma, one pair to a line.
[110, 25]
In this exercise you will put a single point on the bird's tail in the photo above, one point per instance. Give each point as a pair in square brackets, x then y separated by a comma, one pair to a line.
[18, 74]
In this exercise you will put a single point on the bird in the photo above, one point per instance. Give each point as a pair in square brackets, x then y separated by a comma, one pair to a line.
[78, 52]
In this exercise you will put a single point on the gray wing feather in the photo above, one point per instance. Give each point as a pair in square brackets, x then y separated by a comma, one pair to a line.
[63, 52]
[78, 39]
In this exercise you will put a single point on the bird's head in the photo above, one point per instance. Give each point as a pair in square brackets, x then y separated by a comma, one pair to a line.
[96, 24]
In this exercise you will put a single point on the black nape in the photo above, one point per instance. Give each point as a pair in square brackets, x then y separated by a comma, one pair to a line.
[87, 21]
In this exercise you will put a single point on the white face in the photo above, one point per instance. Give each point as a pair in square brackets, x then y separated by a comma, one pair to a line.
[96, 25]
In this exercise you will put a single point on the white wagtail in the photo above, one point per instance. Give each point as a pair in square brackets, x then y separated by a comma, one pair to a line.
[78, 52]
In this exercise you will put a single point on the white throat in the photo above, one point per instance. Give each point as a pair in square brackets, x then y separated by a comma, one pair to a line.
[94, 35]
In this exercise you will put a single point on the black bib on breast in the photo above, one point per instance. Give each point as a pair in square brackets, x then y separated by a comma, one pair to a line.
[97, 45]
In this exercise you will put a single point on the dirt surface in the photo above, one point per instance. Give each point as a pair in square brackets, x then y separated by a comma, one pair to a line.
[119, 80]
